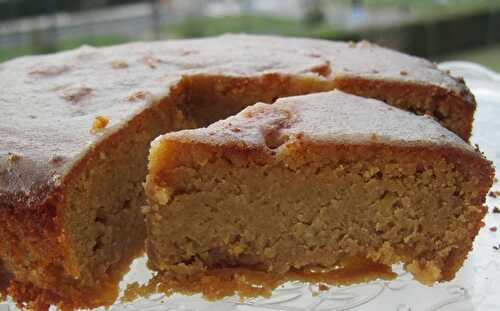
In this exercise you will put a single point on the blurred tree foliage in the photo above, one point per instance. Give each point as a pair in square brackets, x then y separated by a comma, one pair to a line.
[314, 13]
[11, 9]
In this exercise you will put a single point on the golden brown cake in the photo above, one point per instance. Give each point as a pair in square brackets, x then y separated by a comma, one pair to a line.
[326, 182]
[76, 127]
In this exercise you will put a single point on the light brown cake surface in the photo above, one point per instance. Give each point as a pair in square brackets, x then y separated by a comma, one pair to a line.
[75, 129]
[323, 182]
[325, 117]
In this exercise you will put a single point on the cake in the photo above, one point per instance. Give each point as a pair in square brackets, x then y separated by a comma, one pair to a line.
[76, 127]
[327, 186]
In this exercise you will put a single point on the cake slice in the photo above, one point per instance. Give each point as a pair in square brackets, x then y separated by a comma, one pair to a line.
[329, 187]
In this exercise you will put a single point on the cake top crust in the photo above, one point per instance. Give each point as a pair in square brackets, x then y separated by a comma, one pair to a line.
[324, 118]
[50, 102]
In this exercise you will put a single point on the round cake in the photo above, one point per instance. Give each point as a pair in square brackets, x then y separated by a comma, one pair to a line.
[76, 128]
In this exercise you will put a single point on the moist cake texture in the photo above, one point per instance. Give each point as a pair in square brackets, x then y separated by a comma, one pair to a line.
[75, 130]
[318, 183]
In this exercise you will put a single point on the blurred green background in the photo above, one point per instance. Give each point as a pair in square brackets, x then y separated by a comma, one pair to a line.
[440, 30]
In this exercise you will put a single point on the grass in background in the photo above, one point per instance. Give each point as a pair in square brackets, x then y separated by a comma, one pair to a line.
[211, 26]
[488, 56]
[431, 9]
[94, 41]
[6, 54]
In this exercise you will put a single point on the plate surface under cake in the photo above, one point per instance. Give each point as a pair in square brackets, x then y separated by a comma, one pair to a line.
[326, 182]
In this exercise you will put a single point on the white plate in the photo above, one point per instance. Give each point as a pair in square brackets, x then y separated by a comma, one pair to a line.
[476, 287]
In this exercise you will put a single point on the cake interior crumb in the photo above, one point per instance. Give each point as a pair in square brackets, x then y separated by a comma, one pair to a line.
[372, 203]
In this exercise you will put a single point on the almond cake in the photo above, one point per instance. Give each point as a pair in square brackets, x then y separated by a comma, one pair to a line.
[76, 128]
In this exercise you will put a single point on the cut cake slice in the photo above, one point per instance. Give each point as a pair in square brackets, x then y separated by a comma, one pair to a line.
[329, 187]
